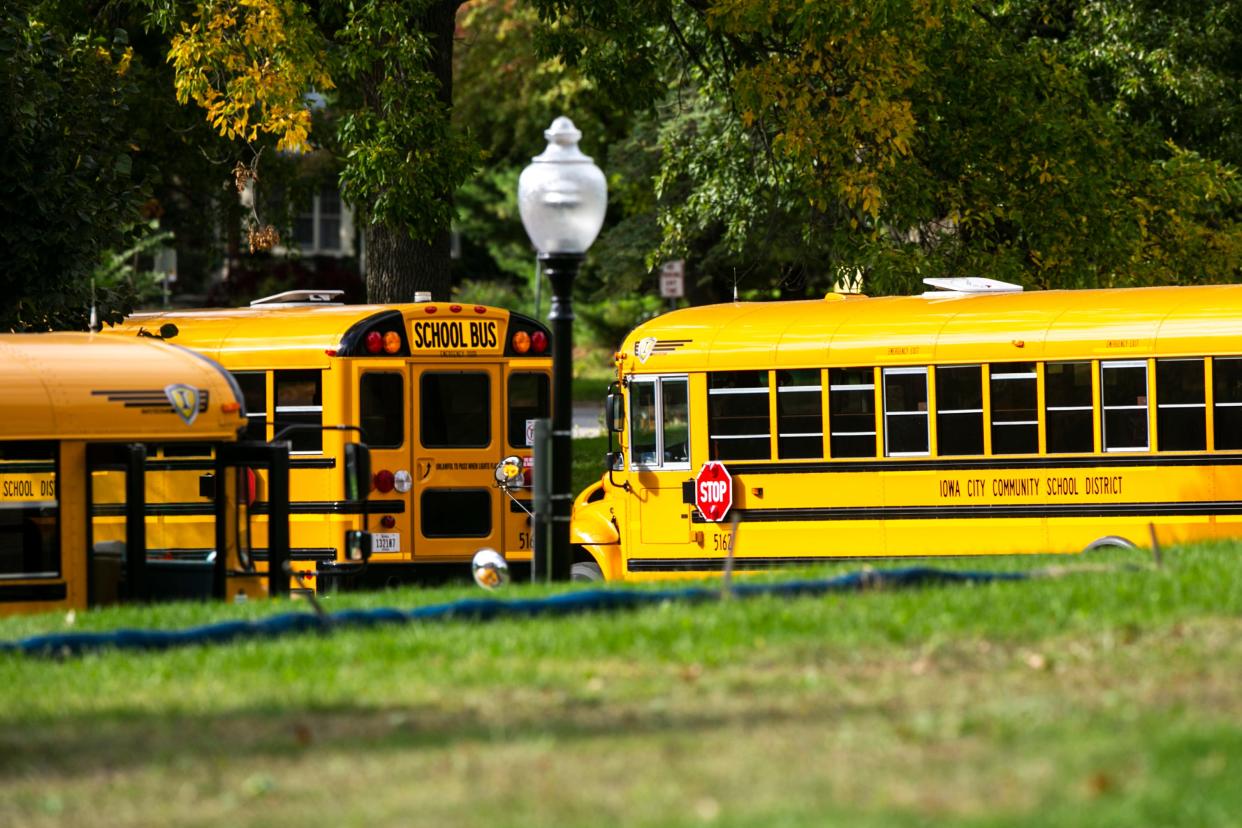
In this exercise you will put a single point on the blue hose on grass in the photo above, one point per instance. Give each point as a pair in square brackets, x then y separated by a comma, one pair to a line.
[486, 609]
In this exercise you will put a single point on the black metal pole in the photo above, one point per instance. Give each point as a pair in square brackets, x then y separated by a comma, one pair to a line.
[562, 269]
[278, 520]
[136, 523]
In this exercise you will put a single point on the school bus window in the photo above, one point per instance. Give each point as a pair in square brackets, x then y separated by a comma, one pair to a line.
[799, 414]
[1181, 407]
[851, 411]
[457, 513]
[253, 386]
[299, 401]
[1015, 418]
[675, 420]
[738, 424]
[1123, 396]
[528, 400]
[456, 410]
[1068, 407]
[643, 443]
[29, 510]
[1227, 402]
[959, 409]
[905, 412]
[381, 409]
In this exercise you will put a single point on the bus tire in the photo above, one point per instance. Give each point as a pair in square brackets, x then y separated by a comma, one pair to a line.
[586, 571]
[1109, 542]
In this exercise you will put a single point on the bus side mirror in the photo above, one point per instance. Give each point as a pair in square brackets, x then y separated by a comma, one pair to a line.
[358, 545]
[357, 471]
[614, 413]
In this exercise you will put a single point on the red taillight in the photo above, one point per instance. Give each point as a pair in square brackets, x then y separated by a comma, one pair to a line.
[392, 342]
[388, 521]
[374, 342]
[383, 481]
[521, 342]
[252, 485]
[455, 308]
[480, 309]
[539, 342]
[430, 309]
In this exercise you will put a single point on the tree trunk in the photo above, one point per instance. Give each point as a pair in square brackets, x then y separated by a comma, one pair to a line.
[398, 265]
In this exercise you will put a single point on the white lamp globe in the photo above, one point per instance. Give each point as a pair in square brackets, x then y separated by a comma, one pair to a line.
[562, 195]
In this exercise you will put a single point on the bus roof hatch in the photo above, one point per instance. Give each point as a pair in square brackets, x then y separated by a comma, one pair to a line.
[969, 285]
[291, 298]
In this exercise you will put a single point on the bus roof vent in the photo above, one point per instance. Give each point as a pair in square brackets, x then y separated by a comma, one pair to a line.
[968, 286]
[291, 298]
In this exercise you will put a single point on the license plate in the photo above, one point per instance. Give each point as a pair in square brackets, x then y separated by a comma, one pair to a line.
[385, 542]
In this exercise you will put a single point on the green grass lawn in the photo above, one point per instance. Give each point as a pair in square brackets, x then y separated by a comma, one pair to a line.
[1097, 698]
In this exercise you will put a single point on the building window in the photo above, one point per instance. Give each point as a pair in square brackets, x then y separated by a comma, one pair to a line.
[299, 402]
[851, 412]
[1068, 407]
[738, 421]
[381, 409]
[959, 409]
[799, 414]
[317, 227]
[1181, 405]
[456, 410]
[905, 412]
[1123, 394]
[1015, 417]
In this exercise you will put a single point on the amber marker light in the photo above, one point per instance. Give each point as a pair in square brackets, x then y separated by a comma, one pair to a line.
[392, 342]
[521, 342]
[231, 407]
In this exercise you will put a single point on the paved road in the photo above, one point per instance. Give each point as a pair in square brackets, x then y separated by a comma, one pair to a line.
[588, 419]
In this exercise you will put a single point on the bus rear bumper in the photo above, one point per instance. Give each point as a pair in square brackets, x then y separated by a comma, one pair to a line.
[337, 577]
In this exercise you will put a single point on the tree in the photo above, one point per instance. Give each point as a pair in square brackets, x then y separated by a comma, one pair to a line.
[384, 69]
[901, 139]
[67, 165]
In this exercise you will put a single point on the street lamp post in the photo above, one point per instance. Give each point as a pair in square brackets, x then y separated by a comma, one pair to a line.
[562, 197]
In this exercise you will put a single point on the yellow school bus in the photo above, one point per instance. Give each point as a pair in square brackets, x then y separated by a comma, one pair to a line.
[972, 420]
[81, 416]
[440, 392]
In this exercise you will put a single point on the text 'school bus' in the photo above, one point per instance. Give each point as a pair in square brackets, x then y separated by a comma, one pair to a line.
[440, 392]
[85, 423]
[953, 423]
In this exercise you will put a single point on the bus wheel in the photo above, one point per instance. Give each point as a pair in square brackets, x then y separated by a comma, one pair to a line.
[1109, 542]
[586, 571]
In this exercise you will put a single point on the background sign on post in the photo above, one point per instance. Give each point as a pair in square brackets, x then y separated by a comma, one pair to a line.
[673, 279]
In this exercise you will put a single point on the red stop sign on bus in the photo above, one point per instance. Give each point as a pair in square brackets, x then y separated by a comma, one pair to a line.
[713, 491]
